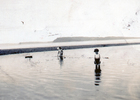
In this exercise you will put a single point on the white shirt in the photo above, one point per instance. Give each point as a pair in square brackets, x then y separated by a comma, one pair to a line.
[97, 56]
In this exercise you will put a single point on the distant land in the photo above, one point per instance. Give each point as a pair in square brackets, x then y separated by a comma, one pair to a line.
[72, 39]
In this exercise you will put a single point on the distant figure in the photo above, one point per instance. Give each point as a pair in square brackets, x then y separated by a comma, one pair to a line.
[97, 59]
[60, 53]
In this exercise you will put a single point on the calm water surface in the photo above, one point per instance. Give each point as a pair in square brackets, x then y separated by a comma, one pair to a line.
[44, 77]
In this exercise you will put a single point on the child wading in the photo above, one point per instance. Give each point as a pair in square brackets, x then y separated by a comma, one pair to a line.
[97, 59]
[60, 53]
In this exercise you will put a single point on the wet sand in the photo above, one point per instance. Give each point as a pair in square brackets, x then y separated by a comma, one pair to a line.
[44, 77]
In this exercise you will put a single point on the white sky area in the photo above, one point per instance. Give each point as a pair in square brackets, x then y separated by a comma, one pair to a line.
[45, 20]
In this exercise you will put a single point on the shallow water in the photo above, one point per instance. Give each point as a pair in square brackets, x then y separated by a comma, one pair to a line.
[45, 77]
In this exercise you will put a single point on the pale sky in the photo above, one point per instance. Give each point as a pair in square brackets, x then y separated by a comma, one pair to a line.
[41, 20]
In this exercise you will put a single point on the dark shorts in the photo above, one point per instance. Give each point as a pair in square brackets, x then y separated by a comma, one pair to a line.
[97, 61]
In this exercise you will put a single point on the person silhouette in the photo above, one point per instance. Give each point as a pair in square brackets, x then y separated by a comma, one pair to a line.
[97, 58]
[60, 53]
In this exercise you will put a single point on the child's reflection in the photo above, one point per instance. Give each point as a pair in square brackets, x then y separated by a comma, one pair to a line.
[97, 76]
[61, 62]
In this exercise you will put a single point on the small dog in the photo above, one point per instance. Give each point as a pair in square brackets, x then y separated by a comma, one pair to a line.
[28, 56]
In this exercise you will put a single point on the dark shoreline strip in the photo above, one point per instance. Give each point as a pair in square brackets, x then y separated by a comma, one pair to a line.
[41, 49]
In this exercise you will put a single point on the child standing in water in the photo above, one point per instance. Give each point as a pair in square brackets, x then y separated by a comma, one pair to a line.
[60, 53]
[97, 58]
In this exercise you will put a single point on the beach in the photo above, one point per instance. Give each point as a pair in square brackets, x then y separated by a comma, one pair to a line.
[45, 77]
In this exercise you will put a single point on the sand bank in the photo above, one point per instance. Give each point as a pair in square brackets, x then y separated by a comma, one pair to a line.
[39, 47]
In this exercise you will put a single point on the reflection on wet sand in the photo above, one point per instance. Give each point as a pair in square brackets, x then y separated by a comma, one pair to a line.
[45, 77]
[60, 61]
[97, 76]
